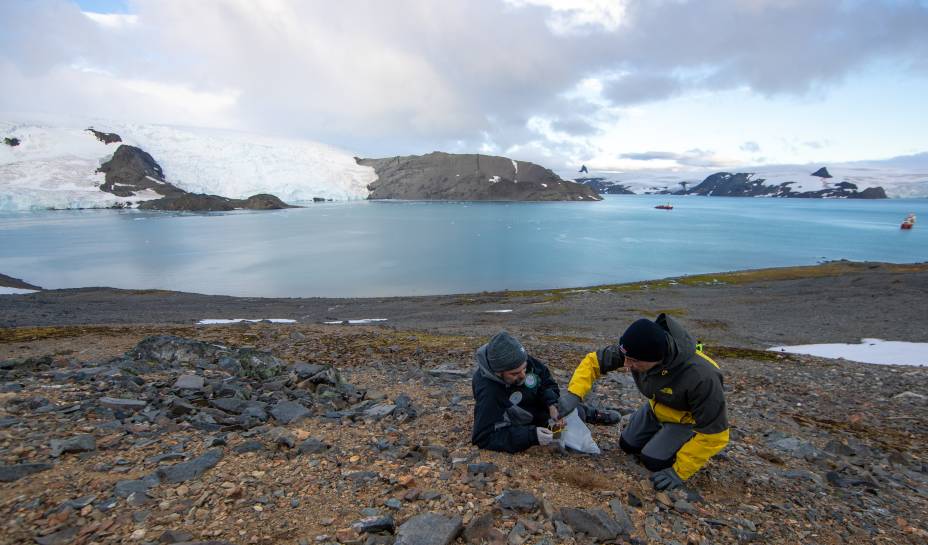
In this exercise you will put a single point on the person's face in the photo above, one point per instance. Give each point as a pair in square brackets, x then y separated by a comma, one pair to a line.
[515, 377]
[636, 365]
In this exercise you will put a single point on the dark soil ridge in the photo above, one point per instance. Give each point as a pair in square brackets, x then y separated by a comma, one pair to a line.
[10, 282]
[832, 302]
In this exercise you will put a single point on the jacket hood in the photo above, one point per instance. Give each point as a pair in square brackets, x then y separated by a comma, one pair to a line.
[483, 366]
[681, 346]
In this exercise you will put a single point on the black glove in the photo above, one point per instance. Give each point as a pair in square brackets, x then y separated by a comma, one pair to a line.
[666, 479]
[567, 403]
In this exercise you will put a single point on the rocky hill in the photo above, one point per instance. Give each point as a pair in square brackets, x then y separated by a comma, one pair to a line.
[605, 187]
[742, 184]
[455, 177]
[131, 171]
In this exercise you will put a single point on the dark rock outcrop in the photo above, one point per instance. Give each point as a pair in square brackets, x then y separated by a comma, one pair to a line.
[131, 170]
[10, 282]
[11, 141]
[605, 187]
[744, 184]
[441, 176]
[822, 173]
[105, 137]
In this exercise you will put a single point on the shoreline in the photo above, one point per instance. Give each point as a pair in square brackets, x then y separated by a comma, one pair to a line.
[840, 301]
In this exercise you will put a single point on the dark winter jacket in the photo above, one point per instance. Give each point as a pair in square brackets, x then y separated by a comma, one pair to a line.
[686, 387]
[500, 424]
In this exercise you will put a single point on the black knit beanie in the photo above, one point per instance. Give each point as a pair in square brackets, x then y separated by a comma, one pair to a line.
[505, 353]
[644, 340]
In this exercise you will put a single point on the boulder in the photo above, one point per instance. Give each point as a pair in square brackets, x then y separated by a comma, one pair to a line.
[186, 471]
[429, 529]
[595, 523]
[15, 472]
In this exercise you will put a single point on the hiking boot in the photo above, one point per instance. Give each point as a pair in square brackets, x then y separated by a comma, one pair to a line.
[602, 417]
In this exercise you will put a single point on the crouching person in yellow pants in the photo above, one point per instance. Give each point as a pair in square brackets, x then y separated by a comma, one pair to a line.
[684, 422]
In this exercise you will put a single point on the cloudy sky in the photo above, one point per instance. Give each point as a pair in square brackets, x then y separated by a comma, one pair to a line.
[618, 85]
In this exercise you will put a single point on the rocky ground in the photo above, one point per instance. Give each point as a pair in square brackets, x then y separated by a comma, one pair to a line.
[309, 433]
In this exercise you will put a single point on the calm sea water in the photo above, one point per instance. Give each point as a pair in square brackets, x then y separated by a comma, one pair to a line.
[406, 248]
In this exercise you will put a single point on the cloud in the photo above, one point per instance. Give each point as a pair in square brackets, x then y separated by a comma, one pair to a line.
[690, 158]
[411, 76]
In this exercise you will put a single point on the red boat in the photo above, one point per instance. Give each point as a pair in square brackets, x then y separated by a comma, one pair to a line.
[908, 222]
[664, 207]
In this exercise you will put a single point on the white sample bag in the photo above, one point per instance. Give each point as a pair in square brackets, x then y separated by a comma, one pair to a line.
[576, 436]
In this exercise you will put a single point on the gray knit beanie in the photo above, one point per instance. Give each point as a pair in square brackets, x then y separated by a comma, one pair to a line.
[505, 353]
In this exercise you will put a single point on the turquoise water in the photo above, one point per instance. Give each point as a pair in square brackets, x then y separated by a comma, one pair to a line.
[415, 248]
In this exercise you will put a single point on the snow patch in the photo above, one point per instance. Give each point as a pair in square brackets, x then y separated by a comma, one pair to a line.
[15, 291]
[502, 311]
[868, 351]
[515, 165]
[361, 321]
[493, 179]
[212, 321]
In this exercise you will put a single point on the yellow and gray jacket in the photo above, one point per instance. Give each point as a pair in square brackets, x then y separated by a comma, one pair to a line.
[685, 388]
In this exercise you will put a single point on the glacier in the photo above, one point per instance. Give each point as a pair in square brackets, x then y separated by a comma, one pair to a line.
[54, 166]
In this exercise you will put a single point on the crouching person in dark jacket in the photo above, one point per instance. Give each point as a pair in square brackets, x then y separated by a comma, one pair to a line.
[683, 421]
[515, 397]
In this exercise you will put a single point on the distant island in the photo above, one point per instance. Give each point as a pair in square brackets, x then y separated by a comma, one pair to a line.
[439, 176]
[748, 184]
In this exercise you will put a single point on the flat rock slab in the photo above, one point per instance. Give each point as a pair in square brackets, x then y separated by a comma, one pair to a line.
[380, 410]
[123, 404]
[595, 523]
[78, 443]
[186, 471]
[449, 371]
[189, 382]
[313, 446]
[16, 472]
[61, 537]
[288, 411]
[429, 529]
[517, 500]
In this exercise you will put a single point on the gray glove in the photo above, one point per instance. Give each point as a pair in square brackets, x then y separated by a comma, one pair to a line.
[545, 436]
[666, 479]
[567, 403]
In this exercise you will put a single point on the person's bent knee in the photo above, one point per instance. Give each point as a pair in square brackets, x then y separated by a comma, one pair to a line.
[655, 464]
[628, 447]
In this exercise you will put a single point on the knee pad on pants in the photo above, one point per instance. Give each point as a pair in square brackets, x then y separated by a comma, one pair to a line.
[653, 464]
[627, 447]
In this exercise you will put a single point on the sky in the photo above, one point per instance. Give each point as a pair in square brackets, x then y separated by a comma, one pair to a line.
[619, 86]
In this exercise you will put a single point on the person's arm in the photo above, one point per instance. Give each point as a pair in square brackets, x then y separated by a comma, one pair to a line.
[594, 365]
[711, 427]
[491, 430]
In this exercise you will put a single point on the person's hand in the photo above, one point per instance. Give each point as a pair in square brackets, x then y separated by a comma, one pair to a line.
[666, 479]
[552, 411]
[545, 436]
[567, 403]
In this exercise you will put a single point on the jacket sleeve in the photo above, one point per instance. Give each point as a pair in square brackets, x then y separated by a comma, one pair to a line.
[711, 427]
[491, 430]
[550, 391]
[592, 367]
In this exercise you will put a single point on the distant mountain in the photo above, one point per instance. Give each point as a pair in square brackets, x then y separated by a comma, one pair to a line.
[605, 187]
[899, 177]
[727, 184]
[442, 176]
[55, 165]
